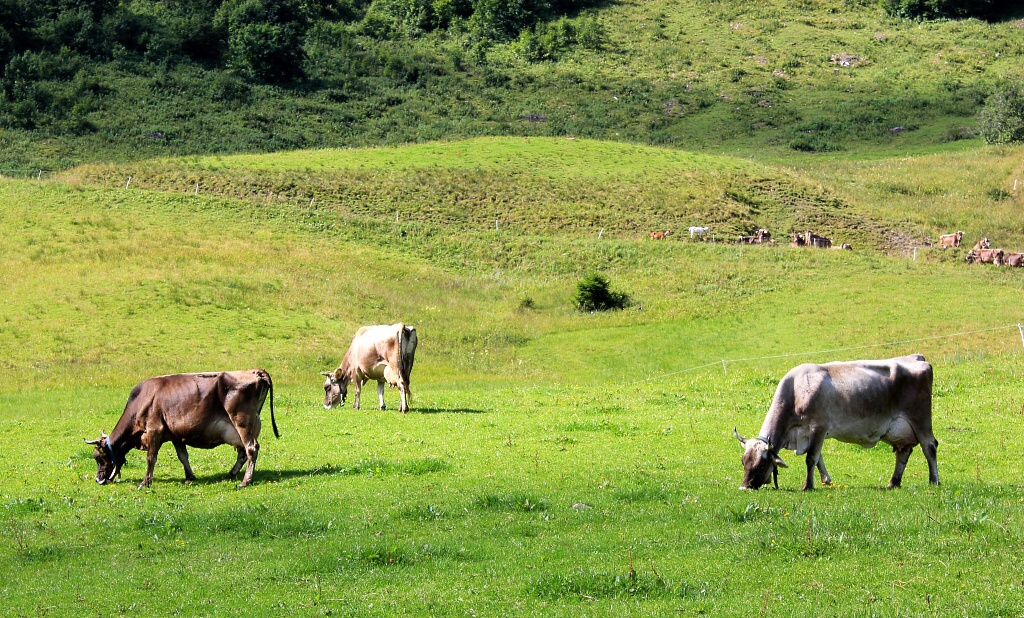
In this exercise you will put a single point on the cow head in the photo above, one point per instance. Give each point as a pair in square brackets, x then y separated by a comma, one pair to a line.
[108, 465]
[335, 389]
[760, 464]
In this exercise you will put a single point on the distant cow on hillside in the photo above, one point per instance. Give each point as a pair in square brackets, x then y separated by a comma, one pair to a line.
[384, 353]
[810, 239]
[760, 237]
[982, 244]
[951, 240]
[698, 231]
[985, 256]
[1014, 259]
[659, 235]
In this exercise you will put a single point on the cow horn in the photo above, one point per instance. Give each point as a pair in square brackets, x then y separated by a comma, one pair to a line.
[326, 374]
[742, 440]
[779, 462]
[91, 441]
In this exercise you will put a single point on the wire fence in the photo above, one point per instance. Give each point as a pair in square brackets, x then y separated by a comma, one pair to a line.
[724, 362]
[37, 174]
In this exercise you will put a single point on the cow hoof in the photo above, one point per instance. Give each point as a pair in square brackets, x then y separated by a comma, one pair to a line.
[383, 408]
[189, 480]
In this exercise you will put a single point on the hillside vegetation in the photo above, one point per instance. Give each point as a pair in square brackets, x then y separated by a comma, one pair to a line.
[111, 80]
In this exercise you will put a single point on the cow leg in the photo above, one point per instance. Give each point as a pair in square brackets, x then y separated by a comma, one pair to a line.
[930, 449]
[814, 459]
[825, 478]
[403, 391]
[902, 455]
[152, 442]
[179, 447]
[251, 452]
[358, 385]
[238, 463]
[380, 395]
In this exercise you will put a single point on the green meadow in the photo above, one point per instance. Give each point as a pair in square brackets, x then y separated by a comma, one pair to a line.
[554, 463]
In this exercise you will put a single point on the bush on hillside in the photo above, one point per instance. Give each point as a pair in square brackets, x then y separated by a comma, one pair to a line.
[594, 294]
[935, 9]
[264, 38]
[1002, 119]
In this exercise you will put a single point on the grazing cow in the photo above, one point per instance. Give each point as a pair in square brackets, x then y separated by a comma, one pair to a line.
[810, 239]
[861, 402]
[845, 247]
[760, 237]
[698, 231]
[659, 235]
[982, 244]
[202, 410]
[383, 353]
[951, 240]
[1014, 259]
[985, 256]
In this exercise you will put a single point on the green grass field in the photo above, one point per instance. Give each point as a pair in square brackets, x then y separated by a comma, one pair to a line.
[522, 412]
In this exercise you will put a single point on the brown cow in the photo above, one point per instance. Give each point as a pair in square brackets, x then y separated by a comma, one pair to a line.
[384, 353]
[202, 410]
[982, 244]
[659, 235]
[1013, 260]
[990, 256]
[810, 239]
[951, 240]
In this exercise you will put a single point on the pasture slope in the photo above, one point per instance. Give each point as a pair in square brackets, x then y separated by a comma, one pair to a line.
[522, 411]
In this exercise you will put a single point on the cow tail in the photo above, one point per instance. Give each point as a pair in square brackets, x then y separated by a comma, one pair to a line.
[405, 361]
[273, 421]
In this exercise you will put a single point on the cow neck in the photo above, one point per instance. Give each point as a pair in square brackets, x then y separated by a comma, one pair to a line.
[117, 445]
[773, 431]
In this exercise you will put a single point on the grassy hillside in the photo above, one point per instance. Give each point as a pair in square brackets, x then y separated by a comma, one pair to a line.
[522, 412]
[772, 78]
[577, 188]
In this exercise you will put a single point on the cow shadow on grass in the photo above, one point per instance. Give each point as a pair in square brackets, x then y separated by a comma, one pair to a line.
[450, 411]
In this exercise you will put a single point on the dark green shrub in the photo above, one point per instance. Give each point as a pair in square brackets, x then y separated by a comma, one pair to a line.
[264, 38]
[593, 294]
[1001, 121]
[933, 9]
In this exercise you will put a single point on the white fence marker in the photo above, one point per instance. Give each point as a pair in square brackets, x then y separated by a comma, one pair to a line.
[128, 183]
[724, 370]
[600, 233]
[495, 225]
[1021, 333]
[396, 216]
[311, 201]
[39, 176]
[197, 189]
[915, 254]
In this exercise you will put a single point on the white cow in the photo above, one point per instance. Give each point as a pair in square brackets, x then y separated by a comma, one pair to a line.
[861, 402]
[698, 231]
[383, 353]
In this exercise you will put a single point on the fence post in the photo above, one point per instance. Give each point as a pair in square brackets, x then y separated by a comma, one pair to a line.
[600, 233]
[39, 176]
[495, 225]
[915, 254]
[1021, 328]
[197, 189]
[724, 370]
[128, 183]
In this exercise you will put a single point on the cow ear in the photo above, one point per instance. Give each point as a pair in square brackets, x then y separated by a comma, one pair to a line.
[779, 462]
[742, 440]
